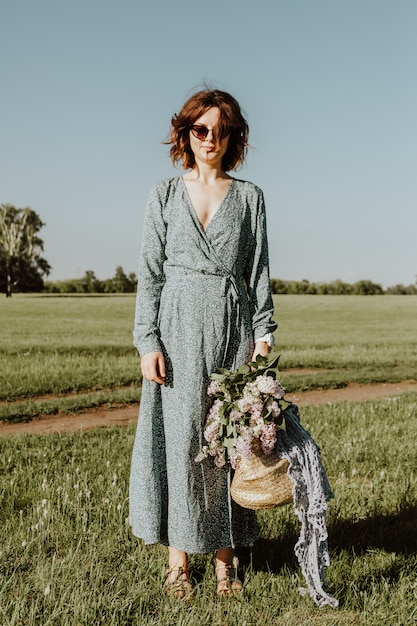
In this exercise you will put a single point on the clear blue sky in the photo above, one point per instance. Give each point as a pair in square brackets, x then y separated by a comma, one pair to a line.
[329, 88]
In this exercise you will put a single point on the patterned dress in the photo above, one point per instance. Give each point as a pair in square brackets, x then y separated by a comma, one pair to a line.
[203, 299]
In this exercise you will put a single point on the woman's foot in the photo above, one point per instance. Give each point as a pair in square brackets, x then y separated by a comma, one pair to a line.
[177, 583]
[228, 582]
[177, 576]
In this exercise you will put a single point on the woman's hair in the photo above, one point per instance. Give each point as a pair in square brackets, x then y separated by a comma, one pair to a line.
[231, 122]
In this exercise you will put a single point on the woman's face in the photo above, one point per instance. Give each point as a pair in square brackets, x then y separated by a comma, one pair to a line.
[210, 149]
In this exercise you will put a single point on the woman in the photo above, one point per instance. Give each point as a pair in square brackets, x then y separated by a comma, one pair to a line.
[203, 302]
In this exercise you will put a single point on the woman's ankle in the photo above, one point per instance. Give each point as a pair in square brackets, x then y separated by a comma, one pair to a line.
[177, 559]
[225, 556]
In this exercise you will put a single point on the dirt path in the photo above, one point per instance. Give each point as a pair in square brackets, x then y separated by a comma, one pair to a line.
[127, 414]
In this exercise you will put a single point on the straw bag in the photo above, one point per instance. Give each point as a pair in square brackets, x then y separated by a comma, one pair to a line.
[261, 482]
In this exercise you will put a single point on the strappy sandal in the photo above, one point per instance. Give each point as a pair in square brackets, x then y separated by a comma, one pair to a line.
[177, 583]
[229, 584]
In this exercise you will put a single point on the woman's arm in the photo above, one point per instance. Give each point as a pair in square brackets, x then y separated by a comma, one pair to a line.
[151, 279]
[258, 283]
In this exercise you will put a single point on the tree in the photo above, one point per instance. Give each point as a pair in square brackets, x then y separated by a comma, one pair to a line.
[90, 283]
[120, 283]
[21, 265]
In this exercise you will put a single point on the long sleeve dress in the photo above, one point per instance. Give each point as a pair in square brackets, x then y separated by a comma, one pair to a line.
[203, 299]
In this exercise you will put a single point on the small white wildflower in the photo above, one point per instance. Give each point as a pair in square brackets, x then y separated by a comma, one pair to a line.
[107, 463]
[119, 507]
[24, 544]
[105, 501]
[77, 470]
[382, 474]
[47, 590]
[354, 472]
[87, 493]
[44, 502]
[76, 486]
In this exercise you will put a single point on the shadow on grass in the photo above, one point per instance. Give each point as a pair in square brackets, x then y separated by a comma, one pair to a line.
[391, 533]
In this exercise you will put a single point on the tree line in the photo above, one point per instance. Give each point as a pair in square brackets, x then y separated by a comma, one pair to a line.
[23, 268]
[338, 288]
[122, 283]
[89, 283]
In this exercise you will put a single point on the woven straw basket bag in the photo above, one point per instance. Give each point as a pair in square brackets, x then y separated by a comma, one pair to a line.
[262, 482]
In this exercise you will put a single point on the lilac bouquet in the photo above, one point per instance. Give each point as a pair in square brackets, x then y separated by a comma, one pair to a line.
[247, 411]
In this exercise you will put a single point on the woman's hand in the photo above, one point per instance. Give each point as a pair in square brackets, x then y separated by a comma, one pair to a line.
[262, 348]
[153, 367]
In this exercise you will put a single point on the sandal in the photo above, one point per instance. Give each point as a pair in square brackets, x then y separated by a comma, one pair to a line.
[229, 584]
[177, 583]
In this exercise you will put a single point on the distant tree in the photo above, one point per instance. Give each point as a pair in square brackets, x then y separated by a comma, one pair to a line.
[120, 283]
[21, 265]
[366, 288]
[279, 286]
[402, 290]
[90, 283]
[334, 288]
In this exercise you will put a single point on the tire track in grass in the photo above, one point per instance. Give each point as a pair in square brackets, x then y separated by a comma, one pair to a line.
[122, 415]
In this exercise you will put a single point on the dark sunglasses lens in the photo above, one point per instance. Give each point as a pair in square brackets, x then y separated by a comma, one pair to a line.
[200, 132]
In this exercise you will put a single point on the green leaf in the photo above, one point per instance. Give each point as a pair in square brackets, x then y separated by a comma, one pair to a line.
[229, 442]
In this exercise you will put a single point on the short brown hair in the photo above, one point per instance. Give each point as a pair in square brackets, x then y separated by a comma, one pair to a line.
[231, 122]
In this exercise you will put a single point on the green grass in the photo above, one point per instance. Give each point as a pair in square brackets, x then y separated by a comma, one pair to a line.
[67, 556]
[53, 345]
[360, 338]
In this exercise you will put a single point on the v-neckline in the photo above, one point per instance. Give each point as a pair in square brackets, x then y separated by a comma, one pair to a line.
[194, 212]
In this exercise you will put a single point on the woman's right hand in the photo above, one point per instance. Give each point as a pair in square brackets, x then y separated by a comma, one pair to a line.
[153, 367]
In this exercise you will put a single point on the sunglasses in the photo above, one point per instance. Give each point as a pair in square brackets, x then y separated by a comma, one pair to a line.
[201, 132]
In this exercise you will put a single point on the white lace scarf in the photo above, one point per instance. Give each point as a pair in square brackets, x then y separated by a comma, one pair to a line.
[311, 492]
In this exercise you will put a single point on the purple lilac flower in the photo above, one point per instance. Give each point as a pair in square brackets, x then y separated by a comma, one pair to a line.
[213, 388]
[214, 410]
[235, 416]
[244, 446]
[273, 406]
[234, 458]
[269, 386]
[250, 403]
[268, 438]
[211, 431]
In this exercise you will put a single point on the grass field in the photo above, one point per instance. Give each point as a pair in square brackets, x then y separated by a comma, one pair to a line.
[67, 556]
[80, 348]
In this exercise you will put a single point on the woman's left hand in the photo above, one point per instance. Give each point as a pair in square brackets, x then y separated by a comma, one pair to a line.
[262, 348]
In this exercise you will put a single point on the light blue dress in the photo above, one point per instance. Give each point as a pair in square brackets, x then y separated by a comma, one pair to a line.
[203, 299]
